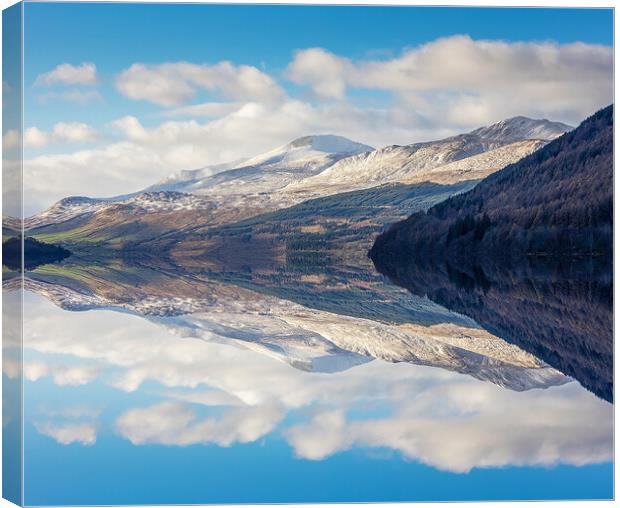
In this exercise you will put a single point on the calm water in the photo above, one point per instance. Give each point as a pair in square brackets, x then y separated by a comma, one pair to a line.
[189, 390]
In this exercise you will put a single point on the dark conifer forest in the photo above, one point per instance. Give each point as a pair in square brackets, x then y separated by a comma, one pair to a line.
[557, 201]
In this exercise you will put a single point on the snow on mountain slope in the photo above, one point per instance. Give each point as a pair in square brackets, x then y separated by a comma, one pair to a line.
[242, 183]
[316, 166]
[412, 162]
[478, 166]
[65, 209]
[177, 181]
[310, 147]
[163, 201]
[520, 127]
[268, 172]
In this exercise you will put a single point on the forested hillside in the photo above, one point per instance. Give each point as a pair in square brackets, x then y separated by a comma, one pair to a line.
[557, 201]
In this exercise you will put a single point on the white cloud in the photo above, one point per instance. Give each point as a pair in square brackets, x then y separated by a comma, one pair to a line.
[82, 433]
[79, 412]
[460, 81]
[62, 375]
[67, 74]
[206, 397]
[477, 426]
[324, 71]
[172, 423]
[11, 139]
[35, 137]
[170, 84]
[76, 96]
[62, 132]
[206, 109]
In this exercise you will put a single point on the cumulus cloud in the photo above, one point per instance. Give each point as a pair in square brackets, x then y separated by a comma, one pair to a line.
[11, 139]
[172, 423]
[62, 375]
[325, 72]
[482, 427]
[67, 74]
[82, 433]
[206, 398]
[460, 80]
[77, 96]
[62, 132]
[206, 109]
[170, 84]
[79, 412]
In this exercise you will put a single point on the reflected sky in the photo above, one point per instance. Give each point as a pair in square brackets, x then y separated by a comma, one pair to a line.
[181, 417]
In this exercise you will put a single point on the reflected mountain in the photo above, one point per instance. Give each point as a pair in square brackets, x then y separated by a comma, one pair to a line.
[562, 313]
[190, 304]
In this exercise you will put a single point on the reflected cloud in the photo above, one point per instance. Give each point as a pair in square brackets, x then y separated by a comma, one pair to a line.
[217, 392]
[82, 433]
[173, 423]
[476, 427]
[62, 375]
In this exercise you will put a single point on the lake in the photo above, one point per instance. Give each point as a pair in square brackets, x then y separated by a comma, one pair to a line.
[161, 387]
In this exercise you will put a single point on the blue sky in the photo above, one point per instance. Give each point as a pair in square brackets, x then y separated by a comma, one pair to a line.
[128, 94]
[115, 36]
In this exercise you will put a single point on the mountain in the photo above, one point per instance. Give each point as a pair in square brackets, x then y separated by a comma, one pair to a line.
[315, 166]
[415, 162]
[556, 202]
[521, 127]
[268, 172]
[308, 168]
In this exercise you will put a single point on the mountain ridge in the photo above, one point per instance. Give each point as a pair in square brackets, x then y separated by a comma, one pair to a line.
[292, 173]
[556, 200]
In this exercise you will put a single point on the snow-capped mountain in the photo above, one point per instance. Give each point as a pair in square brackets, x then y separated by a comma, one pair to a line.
[322, 165]
[270, 171]
[64, 210]
[161, 201]
[319, 165]
[521, 127]
[316, 166]
[415, 162]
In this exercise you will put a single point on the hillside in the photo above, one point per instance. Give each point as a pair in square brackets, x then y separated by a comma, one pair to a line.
[556, 201]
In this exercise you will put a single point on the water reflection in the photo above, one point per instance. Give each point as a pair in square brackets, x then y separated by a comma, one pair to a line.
[173, 357]
[213, 392]
[559, 310]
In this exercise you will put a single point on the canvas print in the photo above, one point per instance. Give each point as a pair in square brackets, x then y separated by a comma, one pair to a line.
[301, 253]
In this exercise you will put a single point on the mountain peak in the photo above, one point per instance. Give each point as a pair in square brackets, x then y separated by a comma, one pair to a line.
[520, 128]
[318, 145]
[328, 143]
